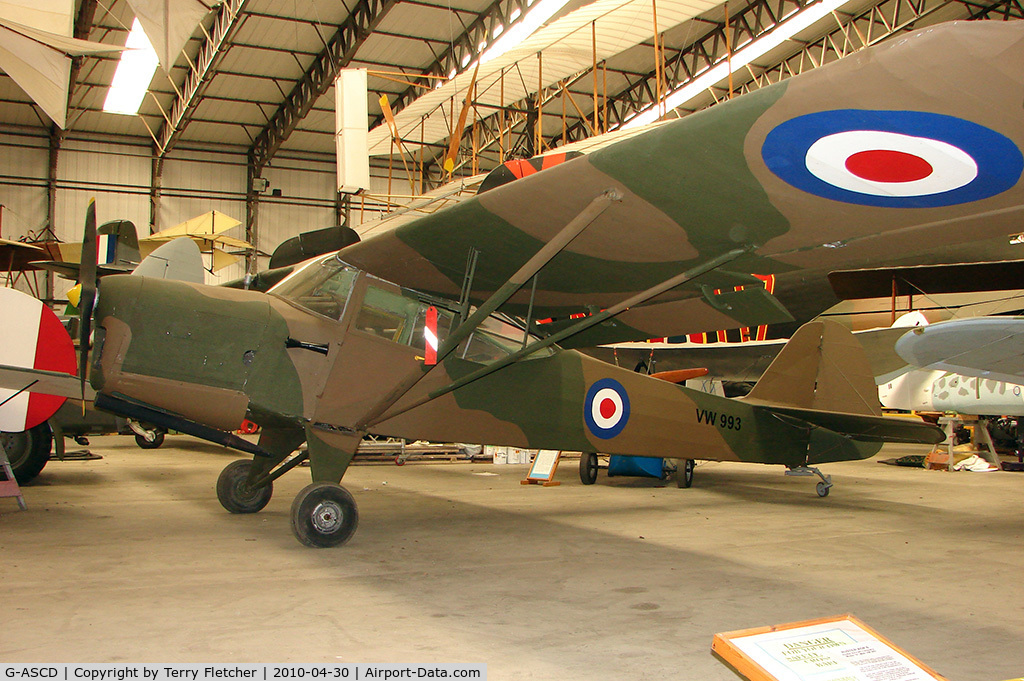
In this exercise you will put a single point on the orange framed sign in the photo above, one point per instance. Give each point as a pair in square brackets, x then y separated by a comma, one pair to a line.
[830, 649]
[543, 470]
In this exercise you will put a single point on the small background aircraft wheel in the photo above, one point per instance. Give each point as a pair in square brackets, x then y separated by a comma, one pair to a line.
[324, 515]
[28, 451]
[236, 495]
[684, 473]
[588, 468]
[823, 489]
[146, 444]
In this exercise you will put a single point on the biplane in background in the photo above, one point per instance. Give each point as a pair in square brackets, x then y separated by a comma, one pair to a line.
[428, 330]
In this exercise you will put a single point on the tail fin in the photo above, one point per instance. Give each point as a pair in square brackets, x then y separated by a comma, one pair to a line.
[178, 259]
[118, 243]
[822, 368]
[822, 380]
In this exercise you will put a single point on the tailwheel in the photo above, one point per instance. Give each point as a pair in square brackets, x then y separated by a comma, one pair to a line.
[588, 468]
[684, 473]
[323, 515]
[236, 494]
[144, 443]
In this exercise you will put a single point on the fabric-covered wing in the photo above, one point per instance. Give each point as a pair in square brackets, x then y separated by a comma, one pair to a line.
[986, 347]
[766, 171]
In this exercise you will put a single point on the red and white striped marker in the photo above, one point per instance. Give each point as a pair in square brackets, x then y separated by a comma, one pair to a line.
[31, 337]
[430, 337]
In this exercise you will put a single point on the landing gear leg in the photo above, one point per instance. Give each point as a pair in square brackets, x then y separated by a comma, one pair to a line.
[822, 487]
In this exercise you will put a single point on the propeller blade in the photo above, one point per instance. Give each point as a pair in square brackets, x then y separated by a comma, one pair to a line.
[453, 145]
[87, 279]
[389, 116]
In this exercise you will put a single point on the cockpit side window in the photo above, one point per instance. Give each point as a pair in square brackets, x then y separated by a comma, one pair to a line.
[388, 315]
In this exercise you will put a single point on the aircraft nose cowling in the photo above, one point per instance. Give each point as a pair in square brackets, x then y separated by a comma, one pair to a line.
[205, 352]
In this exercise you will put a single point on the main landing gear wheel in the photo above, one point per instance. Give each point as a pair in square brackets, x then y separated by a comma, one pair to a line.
[28, 451]
[324, 515]
[823, 489]
[684, 473]
[588, 468]
[234, 492]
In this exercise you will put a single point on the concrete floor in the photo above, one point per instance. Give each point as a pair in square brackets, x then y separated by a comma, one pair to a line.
[131, 559]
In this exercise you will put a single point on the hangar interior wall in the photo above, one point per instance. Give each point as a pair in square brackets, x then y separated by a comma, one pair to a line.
[118, 175]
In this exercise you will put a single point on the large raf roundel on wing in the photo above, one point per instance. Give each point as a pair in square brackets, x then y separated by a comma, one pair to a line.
[606, 409]
[894, 159]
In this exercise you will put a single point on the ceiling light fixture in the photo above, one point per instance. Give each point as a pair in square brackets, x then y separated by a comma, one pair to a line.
[534, 19]
[789, 27]
[134, 74]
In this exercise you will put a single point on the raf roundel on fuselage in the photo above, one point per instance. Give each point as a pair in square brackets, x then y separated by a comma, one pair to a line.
[892, 159]
[606, 408]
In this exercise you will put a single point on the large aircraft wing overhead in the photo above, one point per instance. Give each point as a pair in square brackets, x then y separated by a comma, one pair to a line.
[986, 347]
[882, 282]
[875, 157]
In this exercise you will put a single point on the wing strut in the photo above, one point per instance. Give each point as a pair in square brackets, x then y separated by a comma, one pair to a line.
[582, 325]
[499, 297]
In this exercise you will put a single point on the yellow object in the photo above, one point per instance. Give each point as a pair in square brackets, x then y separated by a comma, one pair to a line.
[75, 295]
[207, 230]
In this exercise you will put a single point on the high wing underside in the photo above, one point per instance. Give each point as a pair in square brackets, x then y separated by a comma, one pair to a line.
[986, 347]
[726, 193]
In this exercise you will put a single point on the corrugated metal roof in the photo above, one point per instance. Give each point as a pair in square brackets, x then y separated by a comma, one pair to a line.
[276, 42]
[566, 47]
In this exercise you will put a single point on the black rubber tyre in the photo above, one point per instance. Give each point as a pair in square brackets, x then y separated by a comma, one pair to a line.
[588, 468]
[324, 515]
[684, 473]
[236, 495]
[28, 451]
[143, 443]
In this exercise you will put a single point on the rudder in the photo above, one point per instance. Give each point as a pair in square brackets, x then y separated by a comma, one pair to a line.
[823, 368]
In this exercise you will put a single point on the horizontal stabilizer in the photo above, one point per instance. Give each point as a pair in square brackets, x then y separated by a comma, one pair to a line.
[867, 428]
[680, 375]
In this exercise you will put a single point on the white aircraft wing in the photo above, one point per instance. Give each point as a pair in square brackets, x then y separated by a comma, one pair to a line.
[986, 347]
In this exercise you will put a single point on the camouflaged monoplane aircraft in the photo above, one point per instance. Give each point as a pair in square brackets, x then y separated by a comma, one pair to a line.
[430, 330]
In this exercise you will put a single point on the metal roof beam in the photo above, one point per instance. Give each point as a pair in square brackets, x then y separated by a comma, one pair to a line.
[463, 50]
[851, 32]
[340, 51]
[229, 18]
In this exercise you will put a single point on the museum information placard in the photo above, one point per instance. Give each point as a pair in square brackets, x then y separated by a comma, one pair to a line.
[833, 649]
